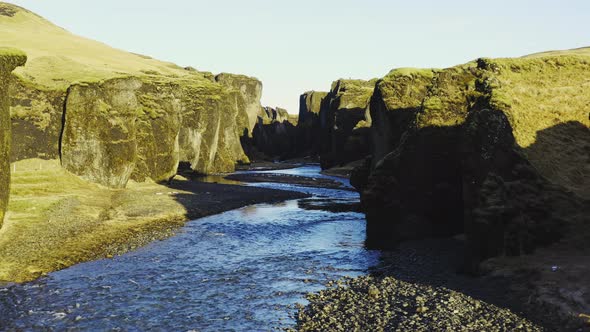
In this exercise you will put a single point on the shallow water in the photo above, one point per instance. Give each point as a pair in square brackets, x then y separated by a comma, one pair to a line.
[240, 270]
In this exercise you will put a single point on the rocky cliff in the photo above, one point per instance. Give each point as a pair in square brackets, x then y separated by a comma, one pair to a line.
[274, 136]
[9, 60]
[251, 90]
[344, 122]
[112, 116]
[308, 126]
[490, 148]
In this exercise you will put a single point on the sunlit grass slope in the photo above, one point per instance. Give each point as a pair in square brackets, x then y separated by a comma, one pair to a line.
[57, 57]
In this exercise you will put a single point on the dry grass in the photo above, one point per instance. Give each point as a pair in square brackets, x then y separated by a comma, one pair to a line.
[55, 220]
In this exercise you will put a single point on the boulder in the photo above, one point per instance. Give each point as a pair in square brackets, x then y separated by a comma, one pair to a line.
[9, 60]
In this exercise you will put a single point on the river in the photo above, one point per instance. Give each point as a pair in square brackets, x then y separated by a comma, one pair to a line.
[241, 270]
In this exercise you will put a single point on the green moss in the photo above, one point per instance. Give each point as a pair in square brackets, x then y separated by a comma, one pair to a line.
[9, 59]
[449, 95]
[540, 94]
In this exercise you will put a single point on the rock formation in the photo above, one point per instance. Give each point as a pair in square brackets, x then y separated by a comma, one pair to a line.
[344, 122]
[488, 148]
[274, 136]
[251, 90]
[133, 118]
[9, 60]
[308, 126]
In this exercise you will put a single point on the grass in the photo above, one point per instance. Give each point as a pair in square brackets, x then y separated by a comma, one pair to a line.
[58, 58]
[56, 219]
[353, 93]
[547, 100]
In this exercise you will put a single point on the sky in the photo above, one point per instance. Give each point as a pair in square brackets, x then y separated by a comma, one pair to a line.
[297, 46]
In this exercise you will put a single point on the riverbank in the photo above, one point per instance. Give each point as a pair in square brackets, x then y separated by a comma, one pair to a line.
[56, 220]
[417, 287]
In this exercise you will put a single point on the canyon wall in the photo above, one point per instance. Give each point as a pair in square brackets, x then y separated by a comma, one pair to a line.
[274, 136]
[9, 60]
[308, 126]
[344, 122]
[112, 116]
[495, 148]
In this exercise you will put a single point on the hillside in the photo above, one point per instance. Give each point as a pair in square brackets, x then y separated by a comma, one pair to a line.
[58, 57]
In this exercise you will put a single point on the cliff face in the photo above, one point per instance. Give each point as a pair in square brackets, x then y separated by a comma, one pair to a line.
[251, 91]
[488, 148]
[113, 116]
[9, 60]
[344, 122]
[274, 136]
[308, 126]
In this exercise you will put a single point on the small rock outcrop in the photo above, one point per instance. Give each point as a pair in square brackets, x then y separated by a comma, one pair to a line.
[482, 148]
[9, 60]
[344, 122]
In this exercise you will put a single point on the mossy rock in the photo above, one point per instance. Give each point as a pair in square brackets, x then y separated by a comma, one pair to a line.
[100, 134]
[9, 60]
[495, 148]
[395, 105]
[250, 89]
[343, 108]
[36, 116]
[158, 127]
[308, 123]
[547, 101]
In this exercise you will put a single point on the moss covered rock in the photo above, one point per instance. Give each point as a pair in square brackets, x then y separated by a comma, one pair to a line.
[250, 90]
[126, 115]
[344, 122]
[397, 99]
[9, 60]
[100, 132]
[274, 136]
[308, 125]
[493, 148]
[36, 114]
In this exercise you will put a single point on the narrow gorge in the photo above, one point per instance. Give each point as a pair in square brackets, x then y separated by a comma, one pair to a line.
[137, 194]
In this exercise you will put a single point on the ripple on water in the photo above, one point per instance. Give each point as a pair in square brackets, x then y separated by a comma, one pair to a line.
[242, 269]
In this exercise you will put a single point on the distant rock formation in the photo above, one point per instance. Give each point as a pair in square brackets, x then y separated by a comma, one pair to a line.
[9, 60]
[251, 90]
[344, 122]
[121, 116]
[488, 148]
[274, 136]
[308, 126]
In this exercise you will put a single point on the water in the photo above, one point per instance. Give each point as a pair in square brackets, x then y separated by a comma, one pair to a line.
[240, 270]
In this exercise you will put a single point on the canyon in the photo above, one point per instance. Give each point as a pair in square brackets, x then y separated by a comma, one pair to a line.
[103, 151]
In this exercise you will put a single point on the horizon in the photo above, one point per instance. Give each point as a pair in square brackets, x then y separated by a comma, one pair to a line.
[332, 47]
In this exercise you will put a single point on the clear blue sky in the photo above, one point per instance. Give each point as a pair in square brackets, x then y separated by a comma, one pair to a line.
[294, 46]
